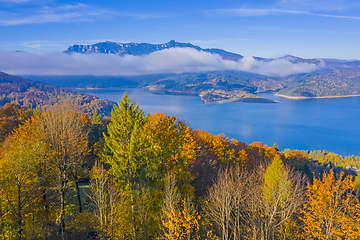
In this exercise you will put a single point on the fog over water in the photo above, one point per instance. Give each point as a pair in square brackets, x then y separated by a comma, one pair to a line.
[313, 124]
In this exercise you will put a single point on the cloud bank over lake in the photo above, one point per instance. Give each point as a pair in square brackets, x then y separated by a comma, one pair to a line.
[174, 60]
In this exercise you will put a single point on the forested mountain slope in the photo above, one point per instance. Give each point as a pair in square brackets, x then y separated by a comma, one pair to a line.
[32, 94]
[324, 83]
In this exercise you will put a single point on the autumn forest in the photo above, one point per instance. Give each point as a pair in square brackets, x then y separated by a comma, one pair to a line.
[65, 174]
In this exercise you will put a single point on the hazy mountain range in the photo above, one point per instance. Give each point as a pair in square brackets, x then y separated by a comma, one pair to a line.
[332, 77]
[184, 68]
[138, 49]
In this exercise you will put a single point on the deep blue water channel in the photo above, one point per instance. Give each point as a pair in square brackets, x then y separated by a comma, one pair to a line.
[313, 124]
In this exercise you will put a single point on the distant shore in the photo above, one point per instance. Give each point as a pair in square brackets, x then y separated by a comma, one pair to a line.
[252, 100]
[95, 88]
[301, 98]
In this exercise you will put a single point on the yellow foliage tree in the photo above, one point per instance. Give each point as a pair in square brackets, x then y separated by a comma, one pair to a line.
[179, 221]
[172, 148]
[333, 209]
[216, 145]
[20, 183]
[182, 223]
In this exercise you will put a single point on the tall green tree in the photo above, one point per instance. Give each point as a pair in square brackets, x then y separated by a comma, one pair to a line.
[125, 147]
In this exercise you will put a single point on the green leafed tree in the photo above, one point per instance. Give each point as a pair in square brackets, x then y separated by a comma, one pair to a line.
[124, 147]
[282, 197]
[276, 183]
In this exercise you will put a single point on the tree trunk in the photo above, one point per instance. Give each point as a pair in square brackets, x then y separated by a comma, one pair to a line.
[19, 213]
[62, 213]
[78, 195]
[132, 201]
[132, 210]
[2, 222]
[46, 217]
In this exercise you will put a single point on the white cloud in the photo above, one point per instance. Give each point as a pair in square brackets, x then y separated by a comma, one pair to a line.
[68, 13]
[252, 12]
[16, 1]
[65, 13]
[175, 60]
[258, 12]
[220, 40]
[145, 15]
[319, 5]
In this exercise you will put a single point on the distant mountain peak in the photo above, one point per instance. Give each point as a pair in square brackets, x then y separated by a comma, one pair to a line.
[137, 49]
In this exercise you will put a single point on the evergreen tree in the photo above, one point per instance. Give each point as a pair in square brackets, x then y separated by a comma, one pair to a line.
[96, 118]
[275, 146]
[124, 147]
[96, 129]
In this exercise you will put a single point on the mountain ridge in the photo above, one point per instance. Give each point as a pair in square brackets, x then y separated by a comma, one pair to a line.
[334, 78]
[138, 49]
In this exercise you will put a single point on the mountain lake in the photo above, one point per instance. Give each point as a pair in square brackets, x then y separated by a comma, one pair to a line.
[330, 124]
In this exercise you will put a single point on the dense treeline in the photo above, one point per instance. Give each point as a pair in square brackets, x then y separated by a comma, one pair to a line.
[66, 175]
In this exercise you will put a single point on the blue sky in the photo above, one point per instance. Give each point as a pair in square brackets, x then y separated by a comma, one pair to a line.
[305, 28]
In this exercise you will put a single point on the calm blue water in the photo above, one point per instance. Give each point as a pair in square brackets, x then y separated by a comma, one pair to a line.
[315, 124]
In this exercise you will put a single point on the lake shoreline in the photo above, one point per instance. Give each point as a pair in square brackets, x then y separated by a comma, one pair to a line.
[324, 97]
[249, 100]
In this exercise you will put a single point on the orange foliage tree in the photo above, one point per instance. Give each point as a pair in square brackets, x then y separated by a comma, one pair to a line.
[11, 115]
[178, 220]
[333, 209]
[172, 148]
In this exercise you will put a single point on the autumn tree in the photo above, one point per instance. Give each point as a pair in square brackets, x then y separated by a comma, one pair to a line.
[256, 205]
[299, 161]
[66, 145]
[11, 116]
[20, 182]
[225, 202]
[171, 149]
[283, 194]
[212, 153]
[261, 155]
[108, 205]
[273, 199]
[179, 219]
[332, 210]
